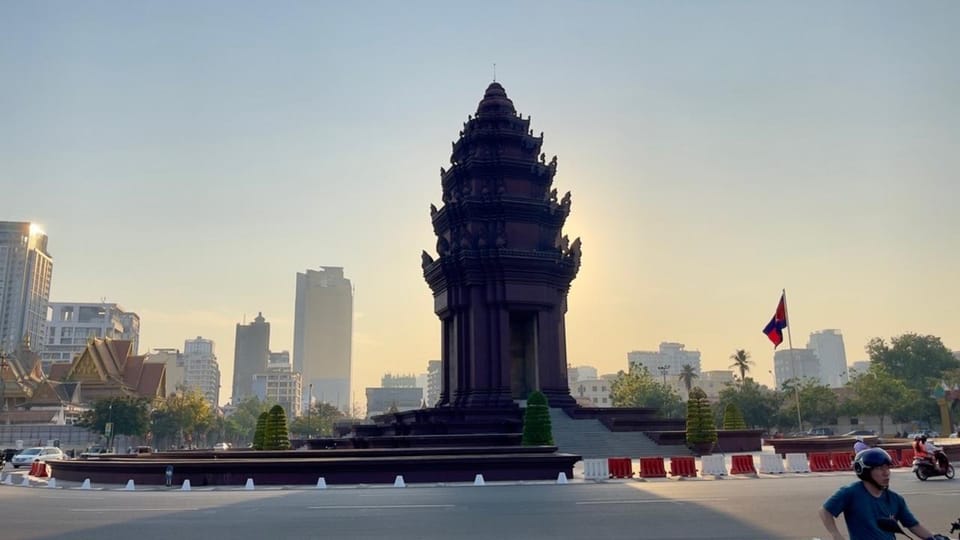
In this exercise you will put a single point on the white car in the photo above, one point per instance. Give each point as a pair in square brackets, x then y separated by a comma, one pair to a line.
[43, 453]
[221, 446]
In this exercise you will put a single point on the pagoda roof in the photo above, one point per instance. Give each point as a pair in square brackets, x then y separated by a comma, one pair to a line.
[107, 366]
[495, 102]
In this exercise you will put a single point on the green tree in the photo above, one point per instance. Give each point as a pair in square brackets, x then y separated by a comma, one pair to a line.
[245, 416]
[741, 362]
[818, 404]
[537, 429]
[687, 375]
[188, 412]
[277, 437]
[733, 418]
[129, 416]
[758, 404]
[919, 361]
[878, 392]
[260, 434]
[639, 389]
[700, 427]
[318, 421]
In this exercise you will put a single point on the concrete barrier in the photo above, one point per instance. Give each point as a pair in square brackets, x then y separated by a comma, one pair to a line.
[713, 465]
[797, 463]
[771, 464]
[596, 469]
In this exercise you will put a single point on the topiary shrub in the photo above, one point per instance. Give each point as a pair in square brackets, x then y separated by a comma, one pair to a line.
[537, 430]
[701, 432]
[260, 433]
[277, 436]
[733, 418]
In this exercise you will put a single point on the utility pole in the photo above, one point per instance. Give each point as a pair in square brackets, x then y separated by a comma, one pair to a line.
[663, 371]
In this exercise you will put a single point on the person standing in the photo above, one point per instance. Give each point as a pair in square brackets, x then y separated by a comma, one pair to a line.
[860, 446]
[862, 502]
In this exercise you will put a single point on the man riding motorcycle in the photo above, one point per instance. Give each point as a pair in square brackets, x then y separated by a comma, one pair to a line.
[929, 452]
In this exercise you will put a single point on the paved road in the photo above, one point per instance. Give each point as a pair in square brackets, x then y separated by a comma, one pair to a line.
[764, 508]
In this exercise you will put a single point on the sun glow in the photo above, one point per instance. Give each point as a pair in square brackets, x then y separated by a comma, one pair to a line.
[35, 229]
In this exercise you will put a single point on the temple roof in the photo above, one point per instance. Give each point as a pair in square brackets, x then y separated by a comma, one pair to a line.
[495, 102]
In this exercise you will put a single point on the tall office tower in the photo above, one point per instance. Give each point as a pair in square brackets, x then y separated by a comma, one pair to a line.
[25, 272]
[799, 364]
[323, 328]
[668, 362]
[828, 344]
[434, 382]
[71, 325]
[278, 383]
[250, 355]
[201, 368]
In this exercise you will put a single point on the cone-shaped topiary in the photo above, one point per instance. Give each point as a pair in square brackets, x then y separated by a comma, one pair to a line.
[260, 433]
[536, 421]
[701, 432]
[733, 418]
[277, 435]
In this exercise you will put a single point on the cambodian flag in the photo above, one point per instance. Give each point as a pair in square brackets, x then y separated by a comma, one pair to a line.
[774, 329]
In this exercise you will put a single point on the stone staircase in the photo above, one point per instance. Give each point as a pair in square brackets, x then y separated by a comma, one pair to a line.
[591, 439]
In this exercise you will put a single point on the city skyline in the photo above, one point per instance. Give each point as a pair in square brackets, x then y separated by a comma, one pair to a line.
[716, 154]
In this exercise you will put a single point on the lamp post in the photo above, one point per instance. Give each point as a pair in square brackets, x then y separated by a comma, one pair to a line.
[309, 411]
[663, 372]
[3, 387]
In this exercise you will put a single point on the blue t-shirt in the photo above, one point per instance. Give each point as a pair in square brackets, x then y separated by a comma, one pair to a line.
[861, 510]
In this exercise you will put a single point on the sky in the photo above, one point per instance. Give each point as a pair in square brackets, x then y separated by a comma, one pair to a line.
[187, 159]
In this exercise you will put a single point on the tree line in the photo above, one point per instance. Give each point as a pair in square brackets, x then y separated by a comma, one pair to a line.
[902, 379]
[186, 419]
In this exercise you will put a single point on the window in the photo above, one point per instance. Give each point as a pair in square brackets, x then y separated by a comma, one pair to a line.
[66, 314]
[594, 388]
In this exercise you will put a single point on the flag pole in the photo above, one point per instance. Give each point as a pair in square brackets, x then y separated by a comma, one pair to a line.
[793, 360]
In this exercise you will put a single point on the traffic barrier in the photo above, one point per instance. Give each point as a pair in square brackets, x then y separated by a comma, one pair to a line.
[26, 480]
[895, 456]
[398, 481]
[130, 486]
[820, 462]
[85, 484]
[652, 467]
[771, 464]
[8, 480]
[321, 483]
[595, 469]
[906, 457]
[713, 465]
[683, 467]
[249, 485]
[34, 468]
[620, 467]
[478, 480]
[842, 461]
[43, 470]
[52, 483]
[562, 478]
[742, 464]
[186, 485]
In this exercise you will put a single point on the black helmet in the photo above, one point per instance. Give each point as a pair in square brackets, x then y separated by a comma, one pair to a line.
[868, 459]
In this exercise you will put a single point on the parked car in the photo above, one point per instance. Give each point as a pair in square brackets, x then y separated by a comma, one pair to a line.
[820, 431]
[930, 434]
[860, 432]
[221, 446]
[29, 455]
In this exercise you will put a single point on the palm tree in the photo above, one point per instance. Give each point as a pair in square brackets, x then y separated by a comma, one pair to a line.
[687, 375]
[741, 361]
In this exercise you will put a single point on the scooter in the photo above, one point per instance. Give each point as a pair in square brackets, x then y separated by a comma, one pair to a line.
[925, 467]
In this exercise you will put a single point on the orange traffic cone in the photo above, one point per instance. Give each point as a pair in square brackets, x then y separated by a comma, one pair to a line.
[42, 470]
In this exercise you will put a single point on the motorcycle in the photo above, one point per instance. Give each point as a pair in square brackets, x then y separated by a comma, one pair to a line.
[891, 525]
[926, 467]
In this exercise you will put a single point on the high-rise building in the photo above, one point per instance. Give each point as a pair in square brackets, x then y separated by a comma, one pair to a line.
[434, 382]
[251, 354]
[828, 346]
[70, 325]
[279, 383]
[323, 329]
[668, 362]
[202, 369]
[580, 373]
[860, 367]
[799, 364]
[26, 269]
[175, 367]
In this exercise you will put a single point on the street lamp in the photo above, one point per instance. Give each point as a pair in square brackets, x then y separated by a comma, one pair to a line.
[3, 387]
[309, 412]
[663, 371]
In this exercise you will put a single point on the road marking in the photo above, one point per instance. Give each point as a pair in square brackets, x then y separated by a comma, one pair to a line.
[646, 501]
[380, 506]
[132, 509]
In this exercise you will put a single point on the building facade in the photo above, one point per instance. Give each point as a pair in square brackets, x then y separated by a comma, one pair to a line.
[323, 332]
[202, 372]
[26, 269]
[665, 363]
[434, 382]
[70, 325]
[799, 364]
[592, 392]
[251, 354]
[279, 383]
[175, 368]
[382, 400]
[712, 382]
[829, 348]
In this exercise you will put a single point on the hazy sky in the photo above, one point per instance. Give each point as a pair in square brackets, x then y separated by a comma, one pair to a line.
[187, 159]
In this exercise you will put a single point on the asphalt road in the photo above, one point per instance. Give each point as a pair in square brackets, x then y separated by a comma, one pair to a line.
[736, 508]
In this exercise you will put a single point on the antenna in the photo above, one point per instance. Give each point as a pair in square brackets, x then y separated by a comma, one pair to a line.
[494, 72]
